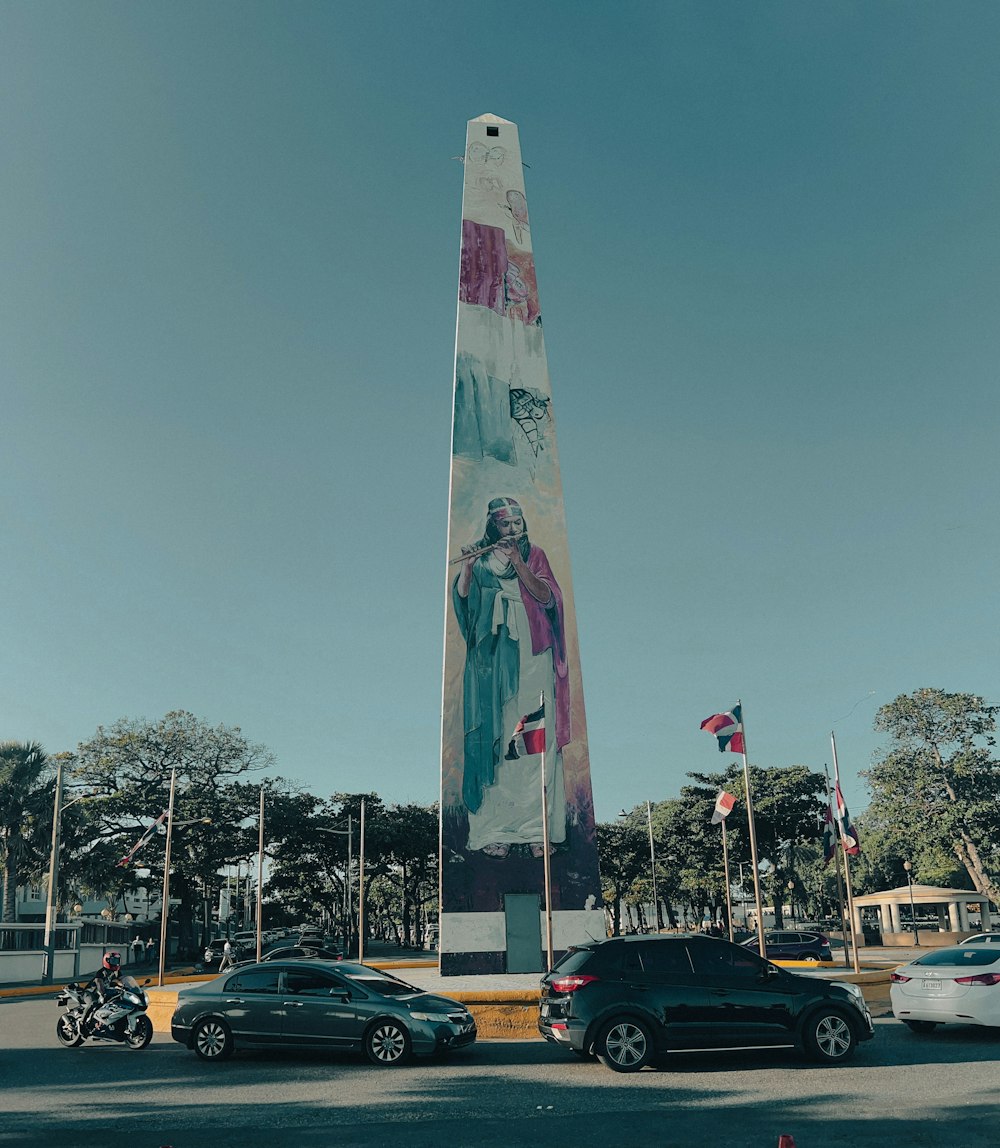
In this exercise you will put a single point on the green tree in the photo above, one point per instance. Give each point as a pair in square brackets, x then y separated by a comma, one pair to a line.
[411, 842]
[623, 855]
[26, 800]
[128, 766]
[788, 803]
[936, 789]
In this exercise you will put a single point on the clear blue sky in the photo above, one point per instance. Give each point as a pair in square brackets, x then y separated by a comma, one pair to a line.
[768, 251]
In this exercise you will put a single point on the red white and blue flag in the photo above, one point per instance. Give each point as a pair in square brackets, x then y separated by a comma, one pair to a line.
[728, 728]
[529, 736]
[848, 834]
[723, 807]
[829, 836]
[150, 833]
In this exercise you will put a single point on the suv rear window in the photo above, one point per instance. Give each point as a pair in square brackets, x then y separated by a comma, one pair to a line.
[573, 961]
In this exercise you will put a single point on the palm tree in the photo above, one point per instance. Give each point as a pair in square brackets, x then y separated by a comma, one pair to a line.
[25, 815]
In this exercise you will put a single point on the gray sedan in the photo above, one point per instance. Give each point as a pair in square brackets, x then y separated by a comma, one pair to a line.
[318, 1004]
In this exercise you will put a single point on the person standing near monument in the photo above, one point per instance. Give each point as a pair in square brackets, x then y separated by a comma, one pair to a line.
[510, 611]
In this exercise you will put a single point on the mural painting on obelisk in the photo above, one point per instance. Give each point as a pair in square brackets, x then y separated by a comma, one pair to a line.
[510, 623]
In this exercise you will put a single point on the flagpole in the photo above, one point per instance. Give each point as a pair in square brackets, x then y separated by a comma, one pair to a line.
[652, 863]
[165, 907]
[753, 838]
[361, 890]
[840, 879]
[546, 864]
[725, 862]
[847, 861]
[260, 878]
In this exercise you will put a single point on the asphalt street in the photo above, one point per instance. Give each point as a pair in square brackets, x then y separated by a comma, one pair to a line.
[902, 1089]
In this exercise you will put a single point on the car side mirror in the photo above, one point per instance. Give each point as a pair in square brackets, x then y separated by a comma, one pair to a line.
[340, 994]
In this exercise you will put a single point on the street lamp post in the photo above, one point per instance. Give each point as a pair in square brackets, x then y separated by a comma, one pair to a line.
[51, 902]
[348, 897]
[908, 866]
[652, 862]
[165, 904]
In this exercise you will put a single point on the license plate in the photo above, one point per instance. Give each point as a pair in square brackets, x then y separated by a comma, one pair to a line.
[933, 986]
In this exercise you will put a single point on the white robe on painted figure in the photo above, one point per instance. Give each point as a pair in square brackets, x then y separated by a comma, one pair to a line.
[511, 811]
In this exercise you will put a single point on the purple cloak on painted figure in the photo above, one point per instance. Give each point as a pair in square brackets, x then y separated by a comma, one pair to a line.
[510, 611]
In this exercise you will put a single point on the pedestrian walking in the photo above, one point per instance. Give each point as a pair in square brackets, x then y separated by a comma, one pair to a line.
[227, 957]
[138, 948]
[150, 950]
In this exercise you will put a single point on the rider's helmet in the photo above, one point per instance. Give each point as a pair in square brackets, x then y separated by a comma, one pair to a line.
[112, 962]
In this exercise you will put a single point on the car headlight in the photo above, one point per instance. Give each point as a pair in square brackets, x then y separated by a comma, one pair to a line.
[433, 1017]
[858, 997]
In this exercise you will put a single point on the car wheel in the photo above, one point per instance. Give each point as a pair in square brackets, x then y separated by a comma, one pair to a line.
[625, 1045]
[829, 1037]
[809, 957]
[387, 1044]
[921, 1025]
[68, 1031]
[141, 1035]
[212, 1039]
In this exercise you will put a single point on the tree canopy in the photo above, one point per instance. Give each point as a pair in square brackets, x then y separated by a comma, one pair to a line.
[936, 787]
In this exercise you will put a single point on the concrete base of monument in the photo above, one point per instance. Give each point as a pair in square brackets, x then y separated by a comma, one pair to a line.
[475, 944]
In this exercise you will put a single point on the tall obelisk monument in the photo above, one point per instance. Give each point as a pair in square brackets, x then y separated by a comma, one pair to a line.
[510, 623]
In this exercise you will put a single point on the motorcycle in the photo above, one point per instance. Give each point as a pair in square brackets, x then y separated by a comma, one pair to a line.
[119, 1018]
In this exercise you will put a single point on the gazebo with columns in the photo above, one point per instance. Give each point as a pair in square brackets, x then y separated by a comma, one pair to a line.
[952, 907]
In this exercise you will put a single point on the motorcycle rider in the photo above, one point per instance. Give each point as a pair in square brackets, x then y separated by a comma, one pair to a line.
[106, 980]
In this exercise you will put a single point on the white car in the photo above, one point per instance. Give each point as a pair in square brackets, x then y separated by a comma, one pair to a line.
[983, 939]
[957, 985]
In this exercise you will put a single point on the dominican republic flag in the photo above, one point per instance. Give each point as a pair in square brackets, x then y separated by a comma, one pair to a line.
[728, 728]
[829, 836]
[848, 834]
[723, 807]
[151, 832]
[529, 736]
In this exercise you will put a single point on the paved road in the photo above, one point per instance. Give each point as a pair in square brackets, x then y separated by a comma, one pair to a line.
[918, 1092]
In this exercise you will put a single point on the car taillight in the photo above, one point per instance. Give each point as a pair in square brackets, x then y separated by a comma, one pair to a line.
[979, 979]
[571, 984]
[898, 978]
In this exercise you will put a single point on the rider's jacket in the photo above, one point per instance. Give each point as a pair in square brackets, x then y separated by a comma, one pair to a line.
[105, 981]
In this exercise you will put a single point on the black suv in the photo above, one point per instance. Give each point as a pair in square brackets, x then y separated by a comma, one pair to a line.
[630, 999]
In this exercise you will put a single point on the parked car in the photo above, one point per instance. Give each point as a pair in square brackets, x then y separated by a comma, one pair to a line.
[960, 985]
[303, 953]
[785, 945]
[630, 999]
[983, 939]
[318, 1004]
